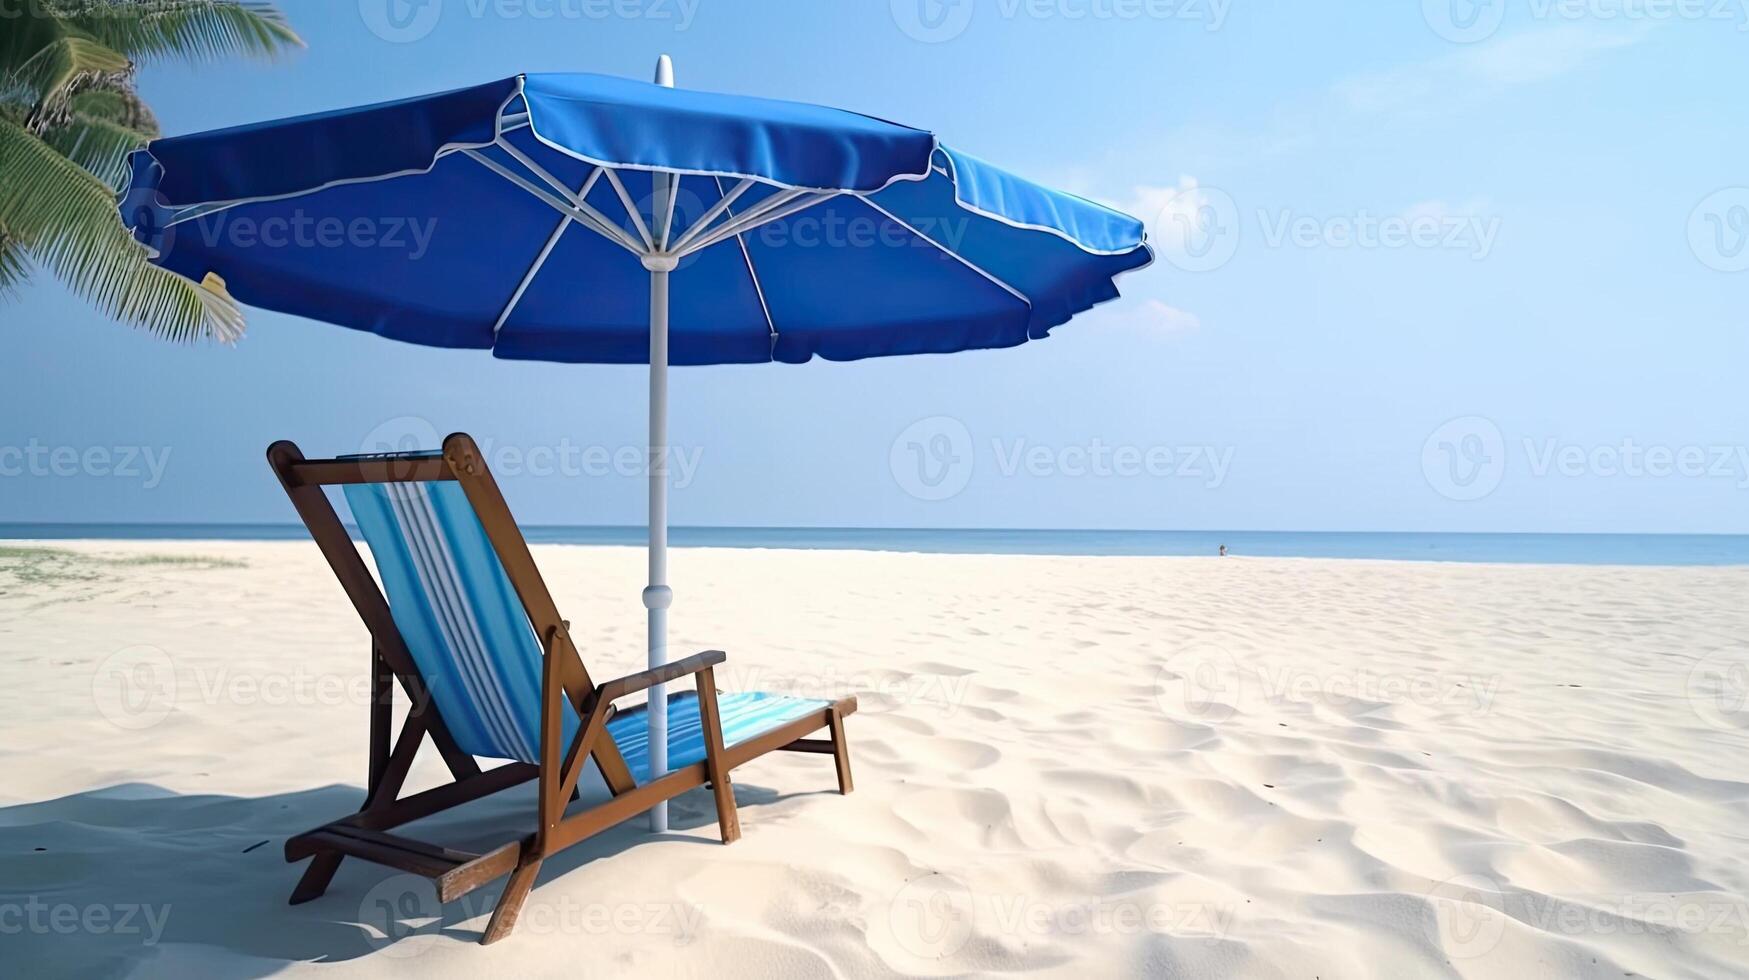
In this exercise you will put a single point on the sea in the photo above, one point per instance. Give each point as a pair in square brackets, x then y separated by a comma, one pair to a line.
[1557, 549]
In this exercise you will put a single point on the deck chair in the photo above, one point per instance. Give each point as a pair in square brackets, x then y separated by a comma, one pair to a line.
[469, 632]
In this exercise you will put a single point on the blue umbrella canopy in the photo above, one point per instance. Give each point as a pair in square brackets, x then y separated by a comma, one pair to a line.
[465, 219]
[582, 218]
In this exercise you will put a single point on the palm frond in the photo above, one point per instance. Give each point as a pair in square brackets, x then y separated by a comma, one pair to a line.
[192, 30]
[14, 268]
[120, 105]
[65, 220]
[29, 29]
[177, 309]
[98, 145]
[53, 75]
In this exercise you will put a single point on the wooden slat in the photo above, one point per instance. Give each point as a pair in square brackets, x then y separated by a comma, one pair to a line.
[821, 746]
[711, 727]
[316, 878]
[375, 851]
[339, 472]
[382, 703]
[620, 808]
[456, 872]
[399, 763]
[840, 749]
[405, 843]
[486, 868]
[549, 802]
[619, 687]
[510, 902]
[742, 752]
[443, 797]
[594, 726]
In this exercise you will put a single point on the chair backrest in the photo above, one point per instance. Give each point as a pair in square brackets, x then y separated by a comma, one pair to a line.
[463, 616]
[462, 620]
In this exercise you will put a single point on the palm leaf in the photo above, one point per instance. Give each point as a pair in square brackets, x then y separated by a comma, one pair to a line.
[98, 145]
[119, 105]
[193, 30]
[51, 76]
[29, 29]
[13, 267]
[65, 220]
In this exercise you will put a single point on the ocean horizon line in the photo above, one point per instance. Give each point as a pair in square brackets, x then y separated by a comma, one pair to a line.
[1512, 547]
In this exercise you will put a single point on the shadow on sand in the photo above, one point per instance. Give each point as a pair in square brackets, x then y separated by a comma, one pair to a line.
[137, 878]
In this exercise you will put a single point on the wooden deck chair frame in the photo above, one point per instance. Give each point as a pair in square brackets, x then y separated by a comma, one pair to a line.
[365, 834]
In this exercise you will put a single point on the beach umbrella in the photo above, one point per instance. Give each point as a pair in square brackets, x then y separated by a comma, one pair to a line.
[585, 218]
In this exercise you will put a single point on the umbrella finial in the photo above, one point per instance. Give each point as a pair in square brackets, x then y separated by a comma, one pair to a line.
[665, 71]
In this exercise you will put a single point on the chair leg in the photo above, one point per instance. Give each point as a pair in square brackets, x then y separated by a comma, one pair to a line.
[316, 877]
[840, 750]
[510, 903]
[728, 821]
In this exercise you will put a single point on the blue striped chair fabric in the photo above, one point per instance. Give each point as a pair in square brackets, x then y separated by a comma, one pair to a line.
[470, 636]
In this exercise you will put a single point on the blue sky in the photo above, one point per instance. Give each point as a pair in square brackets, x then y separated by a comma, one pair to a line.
[1425, 266]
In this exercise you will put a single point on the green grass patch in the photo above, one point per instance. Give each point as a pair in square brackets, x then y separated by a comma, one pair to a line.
[38, 567]
[183, 561]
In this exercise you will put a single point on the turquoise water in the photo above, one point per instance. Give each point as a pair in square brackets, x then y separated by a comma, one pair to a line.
[1562, 549]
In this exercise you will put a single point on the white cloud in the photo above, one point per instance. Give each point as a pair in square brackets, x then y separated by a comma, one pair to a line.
[1160, 317]
[1486, 69]
[1169, 211]
[1522, 59]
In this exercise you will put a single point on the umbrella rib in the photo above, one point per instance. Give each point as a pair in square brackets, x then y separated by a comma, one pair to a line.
[536, 169]
[579, 199]
[668, 212]
[716, 211]
[586, 216]
[541, 259]
[968, 263]
[747, 256]
[775, 212]
[625, 200]
[747, 219]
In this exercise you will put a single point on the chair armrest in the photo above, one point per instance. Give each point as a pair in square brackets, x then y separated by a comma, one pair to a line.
[632, 683]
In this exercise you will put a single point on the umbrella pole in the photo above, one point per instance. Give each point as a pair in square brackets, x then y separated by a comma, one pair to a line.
[657, 596]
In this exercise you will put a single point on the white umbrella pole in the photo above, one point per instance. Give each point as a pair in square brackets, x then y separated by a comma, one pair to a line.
[657, 596]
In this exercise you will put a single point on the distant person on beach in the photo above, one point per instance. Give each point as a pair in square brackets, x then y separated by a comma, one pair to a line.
[1223, 551]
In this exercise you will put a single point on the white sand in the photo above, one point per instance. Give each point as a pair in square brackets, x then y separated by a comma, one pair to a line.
[1068, 767]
